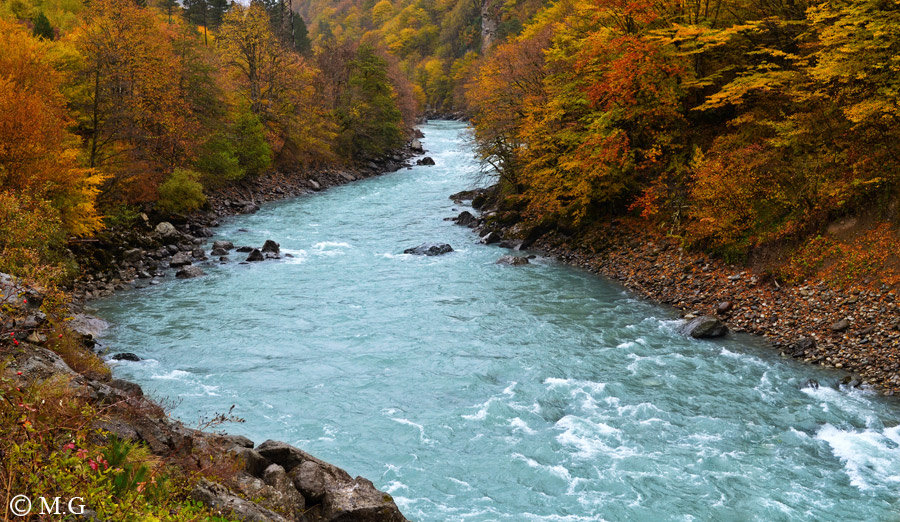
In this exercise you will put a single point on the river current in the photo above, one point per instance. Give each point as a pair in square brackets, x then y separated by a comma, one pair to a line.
[474, 391]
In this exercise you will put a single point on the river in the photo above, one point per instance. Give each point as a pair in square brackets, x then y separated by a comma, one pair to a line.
[474, 391]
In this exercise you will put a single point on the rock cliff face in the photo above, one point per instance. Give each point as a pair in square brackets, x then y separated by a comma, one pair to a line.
[272, 481]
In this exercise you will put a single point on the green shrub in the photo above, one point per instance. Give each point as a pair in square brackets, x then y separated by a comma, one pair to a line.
[181, 193]
[218, 159]
[253, 152]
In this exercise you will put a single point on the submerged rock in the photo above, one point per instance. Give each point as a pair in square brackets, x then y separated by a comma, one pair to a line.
[704, 327]
[513, 261]
[429, 249]
[126, 356]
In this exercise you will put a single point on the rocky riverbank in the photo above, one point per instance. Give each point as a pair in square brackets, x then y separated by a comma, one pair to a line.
[230, 474]
[855, 330]
[142, 252]
[234, 476]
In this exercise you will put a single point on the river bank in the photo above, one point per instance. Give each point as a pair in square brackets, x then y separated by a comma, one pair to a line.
[855, 330]
[231, 475]
[139, 252]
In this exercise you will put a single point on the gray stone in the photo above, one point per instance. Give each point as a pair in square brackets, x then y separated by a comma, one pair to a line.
[133, 255]
[271, 247]
[248, 460]
[166, 230]
[224, 245]
[255, 255]
[490, 238]
[125, 356]
[704, 327]
[425, 161]
[466, 219]
[429, 249]
[87, 325]
[840, 326]
[180, 259]
[226, 503]
[724, 307]
[219, 252]
[512, 261]
[190, 272]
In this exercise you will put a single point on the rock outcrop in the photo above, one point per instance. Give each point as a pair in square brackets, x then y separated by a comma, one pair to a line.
[429, 249]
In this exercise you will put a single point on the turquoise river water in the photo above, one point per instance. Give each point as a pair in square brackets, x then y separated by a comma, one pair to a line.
[474, 391]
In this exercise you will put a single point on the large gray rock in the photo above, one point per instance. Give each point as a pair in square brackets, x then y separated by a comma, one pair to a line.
[224, 245]
[429, 249]
[166, 230]
[255, 255]
[416, 146]
[704, 327]
[87, 325]
[336, 495]
[226, 503]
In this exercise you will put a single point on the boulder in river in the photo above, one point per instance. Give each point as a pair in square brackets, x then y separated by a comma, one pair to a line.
[244, 249]
[190, 272]
[425, 161]
[126, 356]
[224, 245]
[255, 255]
[466, 219]
[429, 249]
[219, 252]
[512, 261]
[271, 247]
[704, 327]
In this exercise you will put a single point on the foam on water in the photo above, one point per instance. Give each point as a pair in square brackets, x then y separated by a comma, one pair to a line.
[472, 391]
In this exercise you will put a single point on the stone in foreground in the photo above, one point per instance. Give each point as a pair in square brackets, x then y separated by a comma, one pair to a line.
[705, 327]
[429, 249]
[330, 492]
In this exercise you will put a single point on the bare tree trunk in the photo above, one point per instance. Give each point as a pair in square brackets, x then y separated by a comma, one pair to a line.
[489, 17]
[287, 23]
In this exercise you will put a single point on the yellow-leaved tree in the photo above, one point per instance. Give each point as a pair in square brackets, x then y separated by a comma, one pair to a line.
[38, 155]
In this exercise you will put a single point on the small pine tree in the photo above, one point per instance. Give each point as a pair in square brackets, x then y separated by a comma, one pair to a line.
[42, 27]
[302, 43]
